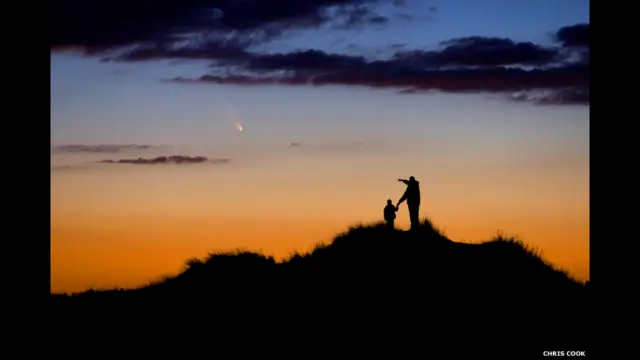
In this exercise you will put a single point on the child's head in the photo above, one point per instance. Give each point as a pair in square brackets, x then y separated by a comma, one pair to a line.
[389, 202]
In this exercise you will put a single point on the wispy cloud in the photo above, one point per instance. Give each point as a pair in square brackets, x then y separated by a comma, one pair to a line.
[173, 159]
[339, 146]
[568, 96]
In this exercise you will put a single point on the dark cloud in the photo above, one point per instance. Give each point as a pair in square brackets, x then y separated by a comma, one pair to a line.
[224, 30]
[348, 70]
[97, 25]
[486, 79]
[231, 79]
[390, 75]
[480, 51]
[575, 41]
[469, 51]
[233, 45]
[76, 148]
[574, 36]
[469, 64]
[174, 159]
[305, 60]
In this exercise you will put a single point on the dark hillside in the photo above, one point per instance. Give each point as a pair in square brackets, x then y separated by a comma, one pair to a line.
[373, 271]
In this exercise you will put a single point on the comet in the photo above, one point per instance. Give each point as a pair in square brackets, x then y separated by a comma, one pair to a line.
[239, 126]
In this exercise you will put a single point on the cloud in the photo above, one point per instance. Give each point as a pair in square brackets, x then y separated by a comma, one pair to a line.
[567, 96]
[210, 49]
[225, 31]
[99, 25]
[396, 73]
[174, 159]
[574, 36]
[353, 16]
[468, 64]
[575, 42]
[305, 60]
[231, 79]
[57, 168]
[77, 148]
[480, 51]
[408, 91]
[338, 146]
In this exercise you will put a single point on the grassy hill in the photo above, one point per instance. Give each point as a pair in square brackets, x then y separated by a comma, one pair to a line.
[364, 261]
[378, 273]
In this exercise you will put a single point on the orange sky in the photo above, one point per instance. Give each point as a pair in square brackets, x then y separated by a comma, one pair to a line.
[94, 253]
[482, 164]
[128, 225]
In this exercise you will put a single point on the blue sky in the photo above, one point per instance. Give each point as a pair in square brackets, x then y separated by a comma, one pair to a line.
[91, 97]
[520, 20]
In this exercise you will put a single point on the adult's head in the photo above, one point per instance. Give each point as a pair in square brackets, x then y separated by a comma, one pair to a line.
[389, 202]
[411, 178]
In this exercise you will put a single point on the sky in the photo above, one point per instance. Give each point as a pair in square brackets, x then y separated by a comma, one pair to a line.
[487, 105]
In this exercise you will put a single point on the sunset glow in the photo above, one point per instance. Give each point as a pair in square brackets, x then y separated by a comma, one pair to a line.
[147, 171]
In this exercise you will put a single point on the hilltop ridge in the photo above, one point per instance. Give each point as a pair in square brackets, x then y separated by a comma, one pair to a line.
[366, 258]
[501, 286]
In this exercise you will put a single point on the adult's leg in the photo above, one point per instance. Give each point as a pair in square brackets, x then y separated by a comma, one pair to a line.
[414, 211]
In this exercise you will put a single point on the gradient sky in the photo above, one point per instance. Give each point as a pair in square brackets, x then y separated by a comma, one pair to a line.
[486, 162]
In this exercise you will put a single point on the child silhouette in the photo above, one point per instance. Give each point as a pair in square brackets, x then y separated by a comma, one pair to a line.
[390, 213]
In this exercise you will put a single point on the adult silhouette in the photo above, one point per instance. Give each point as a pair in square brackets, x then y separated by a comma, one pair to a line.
[412, 195]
